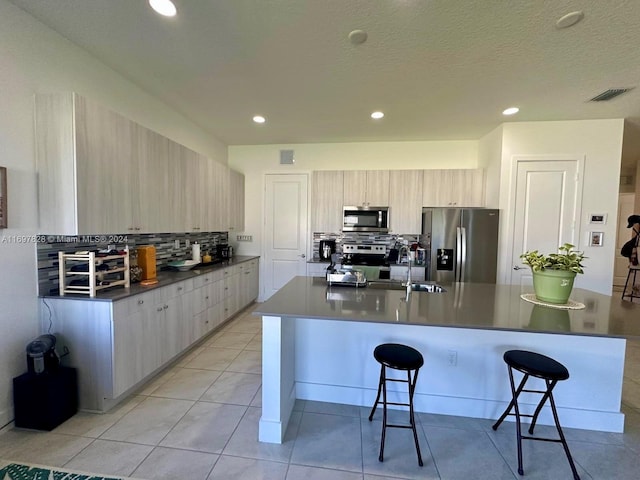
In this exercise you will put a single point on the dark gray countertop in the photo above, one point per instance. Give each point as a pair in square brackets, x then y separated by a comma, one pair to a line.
[463, 305]
[165, 277]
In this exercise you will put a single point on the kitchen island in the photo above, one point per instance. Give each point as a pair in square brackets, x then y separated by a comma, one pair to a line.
[318, 343]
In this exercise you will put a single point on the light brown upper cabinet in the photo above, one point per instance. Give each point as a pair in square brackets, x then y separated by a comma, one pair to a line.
[453, 188]
[366, 188]
[100, 173]
[84, 163]
[152, 181]
[405, 201]
[236, 201]
[327, 201]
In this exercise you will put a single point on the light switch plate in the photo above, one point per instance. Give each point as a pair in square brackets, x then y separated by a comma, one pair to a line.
[176, 243]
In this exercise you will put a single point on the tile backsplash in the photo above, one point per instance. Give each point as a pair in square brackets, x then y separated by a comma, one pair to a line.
[165, 243]
[387, 239]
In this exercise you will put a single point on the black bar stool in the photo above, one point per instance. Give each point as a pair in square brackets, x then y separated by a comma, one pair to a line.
[398, 357]
[539, 366]
[633, 270]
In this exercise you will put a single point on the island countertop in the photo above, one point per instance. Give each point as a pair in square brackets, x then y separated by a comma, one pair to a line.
[463, 305]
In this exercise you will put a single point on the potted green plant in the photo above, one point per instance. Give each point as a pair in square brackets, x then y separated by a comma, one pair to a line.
[554, 273]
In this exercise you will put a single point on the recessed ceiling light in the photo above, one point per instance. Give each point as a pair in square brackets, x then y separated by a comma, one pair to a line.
[377, 115]
[259, 119]
[164, 7]
[569, 19]
[511, 111]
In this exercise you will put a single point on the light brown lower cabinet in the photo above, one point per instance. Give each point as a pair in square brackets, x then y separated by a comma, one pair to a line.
[117, 346]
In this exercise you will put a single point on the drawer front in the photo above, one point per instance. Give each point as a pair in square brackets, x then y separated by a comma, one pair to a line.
[139, 302]
[207, 278]
[229, 271]
[178, 289]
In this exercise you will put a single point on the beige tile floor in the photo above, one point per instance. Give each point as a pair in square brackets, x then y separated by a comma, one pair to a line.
[198, 420]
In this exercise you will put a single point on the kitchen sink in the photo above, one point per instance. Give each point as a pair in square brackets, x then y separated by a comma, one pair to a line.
[397, 285]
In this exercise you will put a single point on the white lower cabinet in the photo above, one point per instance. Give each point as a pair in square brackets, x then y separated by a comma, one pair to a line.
[117, 345]
[231, 296]
[249, 282]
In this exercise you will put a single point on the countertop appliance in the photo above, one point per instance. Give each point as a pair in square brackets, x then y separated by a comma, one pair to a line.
[326, 249]
[461, 244]
[372, 260]
[42, 356]
[224, 251]
[365, 219]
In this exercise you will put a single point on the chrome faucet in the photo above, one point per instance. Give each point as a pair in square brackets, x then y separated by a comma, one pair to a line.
[408, 284]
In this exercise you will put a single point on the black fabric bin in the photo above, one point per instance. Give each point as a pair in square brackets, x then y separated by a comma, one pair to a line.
[44, 401]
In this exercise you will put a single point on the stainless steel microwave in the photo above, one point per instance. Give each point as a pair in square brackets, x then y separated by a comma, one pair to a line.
[365, 219]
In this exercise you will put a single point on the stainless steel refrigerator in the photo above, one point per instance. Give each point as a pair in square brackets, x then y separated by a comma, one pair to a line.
[462, 244]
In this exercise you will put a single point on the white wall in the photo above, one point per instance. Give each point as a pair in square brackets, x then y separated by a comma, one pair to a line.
[35, 59]
[600, 143]
[254, 161]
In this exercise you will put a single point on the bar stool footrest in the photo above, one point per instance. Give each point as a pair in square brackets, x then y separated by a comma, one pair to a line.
[542, 439]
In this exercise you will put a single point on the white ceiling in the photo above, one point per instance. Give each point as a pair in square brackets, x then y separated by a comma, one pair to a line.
[439, 69]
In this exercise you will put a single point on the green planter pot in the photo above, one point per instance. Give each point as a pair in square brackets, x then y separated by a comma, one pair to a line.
[553, 286]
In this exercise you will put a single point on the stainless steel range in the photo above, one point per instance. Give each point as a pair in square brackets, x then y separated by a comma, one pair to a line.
[373, 259]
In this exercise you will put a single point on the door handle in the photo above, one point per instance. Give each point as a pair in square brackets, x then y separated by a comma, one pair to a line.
[518, 268]
[303, 256]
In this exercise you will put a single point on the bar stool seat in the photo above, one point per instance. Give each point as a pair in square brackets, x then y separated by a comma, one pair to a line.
[397, 357]
[532, 364]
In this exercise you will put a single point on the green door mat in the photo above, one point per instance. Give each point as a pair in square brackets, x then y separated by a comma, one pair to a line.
[17, 471]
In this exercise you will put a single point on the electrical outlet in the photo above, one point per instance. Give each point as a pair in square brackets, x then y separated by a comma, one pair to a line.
[176, 244]
[187, 243]
[244, 238]
[453, 358]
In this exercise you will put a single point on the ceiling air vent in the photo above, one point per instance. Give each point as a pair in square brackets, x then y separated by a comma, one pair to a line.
[609, 94]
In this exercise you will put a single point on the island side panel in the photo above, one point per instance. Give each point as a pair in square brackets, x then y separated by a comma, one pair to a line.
[476, 386]
[84, 327]
[278, 385]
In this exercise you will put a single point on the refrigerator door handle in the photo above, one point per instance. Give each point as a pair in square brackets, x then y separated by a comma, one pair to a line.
[458, 255]
[463, 241]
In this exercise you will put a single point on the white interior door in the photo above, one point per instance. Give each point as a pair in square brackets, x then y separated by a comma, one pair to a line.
[286, 228]
[626, 202]
[547, 194]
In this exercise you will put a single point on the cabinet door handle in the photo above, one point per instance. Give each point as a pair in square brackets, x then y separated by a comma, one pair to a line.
[179, 289]
[140, 302]
[165, 307]
[159, 309]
